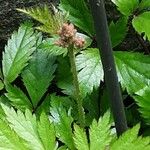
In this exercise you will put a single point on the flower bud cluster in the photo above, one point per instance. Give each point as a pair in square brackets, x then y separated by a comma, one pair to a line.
[68, 37]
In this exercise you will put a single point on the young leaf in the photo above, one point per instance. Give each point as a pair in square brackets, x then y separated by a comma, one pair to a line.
[46, 132]
[131, 141]
[18, 98]
[38, 75]
[9, 139]
[18, 51]
[90, 70]
[62, 122]
[142, 99]
[118, 31]
[25, 126]
[51, 21]
[100, 136]
[80, 139]
[79, 14]
[126, 7]
[141, 24]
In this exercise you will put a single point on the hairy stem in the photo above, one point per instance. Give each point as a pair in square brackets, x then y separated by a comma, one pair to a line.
[76, 86]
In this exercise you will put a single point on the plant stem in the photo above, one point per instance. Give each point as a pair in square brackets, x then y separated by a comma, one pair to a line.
[104, 44]
[76, 86]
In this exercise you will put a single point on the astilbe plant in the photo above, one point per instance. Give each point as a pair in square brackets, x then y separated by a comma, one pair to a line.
[56, 103]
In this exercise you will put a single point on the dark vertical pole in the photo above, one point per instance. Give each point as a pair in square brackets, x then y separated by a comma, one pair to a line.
[111, 79]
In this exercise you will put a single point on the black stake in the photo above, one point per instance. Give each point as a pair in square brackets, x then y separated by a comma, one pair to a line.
[104, 44]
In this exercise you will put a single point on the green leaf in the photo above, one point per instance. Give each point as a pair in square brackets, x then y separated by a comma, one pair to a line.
[47, 132]
[80, 138]
[62, 122]
[142, 98]
[38, 75]
[64, 76]
[141, 24]
[18, 98]
[144, 4]
[51, 20]
[100, 135]
[126, 7]
[118, 31]
[1, 85]
[50, 47]
[91, 105]
[9, 140]
[18, 51]
[133, 70]
[25, 126]
[79, 14]
[131, 141]
[90, 70]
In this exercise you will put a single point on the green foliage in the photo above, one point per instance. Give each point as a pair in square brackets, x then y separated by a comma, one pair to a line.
[80, 138]
[126, 7]
[64, 76]
[131, 141]
[144, 4]
[51, 21]
[9, 139]
[100, 135]
[51, 48]
[38, 75]
[90, 70]
[79, 14]
[132, 68]
[38, 110]
[118, 31]
[24, 131]
[141, 24]
[142, 99]
[18, 52]
[62, 121]
[46, 132]
[18, 98]
[37, 134]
